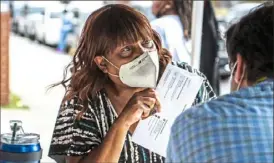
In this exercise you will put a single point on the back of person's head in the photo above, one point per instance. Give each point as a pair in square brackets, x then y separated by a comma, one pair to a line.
[252, 38]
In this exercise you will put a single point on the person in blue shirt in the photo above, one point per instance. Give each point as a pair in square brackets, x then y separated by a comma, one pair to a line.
[67, 27]
[237, 127]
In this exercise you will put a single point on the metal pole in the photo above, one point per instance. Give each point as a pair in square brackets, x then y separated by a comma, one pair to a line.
[196, 30]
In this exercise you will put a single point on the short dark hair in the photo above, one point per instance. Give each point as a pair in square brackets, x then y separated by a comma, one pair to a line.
[252, 38]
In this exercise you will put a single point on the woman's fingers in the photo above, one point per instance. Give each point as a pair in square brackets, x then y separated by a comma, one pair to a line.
[147, 93]
[146, 111]
[157, 104]
[150, 102]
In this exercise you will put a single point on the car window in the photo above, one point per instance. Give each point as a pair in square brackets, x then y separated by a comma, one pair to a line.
[35, 10]
[55, 15]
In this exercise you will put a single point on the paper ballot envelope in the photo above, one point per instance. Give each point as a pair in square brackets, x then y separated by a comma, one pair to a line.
[177, 90]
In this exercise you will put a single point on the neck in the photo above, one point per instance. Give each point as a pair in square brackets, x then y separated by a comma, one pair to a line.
[122, 91]
[246, 83]
[119, 96]
[259, 80]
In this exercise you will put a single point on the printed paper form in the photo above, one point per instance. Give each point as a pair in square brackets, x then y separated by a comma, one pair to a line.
[177, 90]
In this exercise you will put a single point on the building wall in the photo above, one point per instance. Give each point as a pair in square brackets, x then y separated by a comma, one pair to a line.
[4, 76]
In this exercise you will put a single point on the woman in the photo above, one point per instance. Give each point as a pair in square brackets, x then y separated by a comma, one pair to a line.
[106, 94]
[173, 24]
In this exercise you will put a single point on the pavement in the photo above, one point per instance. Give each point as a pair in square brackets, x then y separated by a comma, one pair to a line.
[33, 67]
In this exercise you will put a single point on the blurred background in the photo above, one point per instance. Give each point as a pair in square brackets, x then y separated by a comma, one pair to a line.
[34, 52]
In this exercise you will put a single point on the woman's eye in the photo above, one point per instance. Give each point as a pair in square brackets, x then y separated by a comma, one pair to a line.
[148, 44]
[126, 49]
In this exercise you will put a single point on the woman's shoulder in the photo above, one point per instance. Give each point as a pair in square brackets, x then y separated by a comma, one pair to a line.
[77, 100]
[76, 104]
[91, 106]
[77, 129]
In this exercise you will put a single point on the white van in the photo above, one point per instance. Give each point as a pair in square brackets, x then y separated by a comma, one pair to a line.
[47, 29]
[28, 9]
[84, 8]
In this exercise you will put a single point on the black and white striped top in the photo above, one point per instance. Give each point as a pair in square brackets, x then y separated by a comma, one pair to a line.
[73, 137]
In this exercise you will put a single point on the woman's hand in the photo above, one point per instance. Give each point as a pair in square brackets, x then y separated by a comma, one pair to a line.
[139, 107]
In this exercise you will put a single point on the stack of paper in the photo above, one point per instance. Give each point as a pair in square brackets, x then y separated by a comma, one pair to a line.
[177, 90]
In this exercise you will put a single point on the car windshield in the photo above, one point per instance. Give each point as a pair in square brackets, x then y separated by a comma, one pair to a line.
[55, 15]
[34, 10]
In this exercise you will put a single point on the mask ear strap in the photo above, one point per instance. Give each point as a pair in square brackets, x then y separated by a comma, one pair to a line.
[110, 62]
[113, 75]
[241, 80]
[113, 66]
[233, 70]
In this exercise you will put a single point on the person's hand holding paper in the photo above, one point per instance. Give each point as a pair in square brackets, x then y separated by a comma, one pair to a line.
[177, 90]
[140, 106]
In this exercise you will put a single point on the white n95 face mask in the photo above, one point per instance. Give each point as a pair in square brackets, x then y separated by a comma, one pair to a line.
[141, 72]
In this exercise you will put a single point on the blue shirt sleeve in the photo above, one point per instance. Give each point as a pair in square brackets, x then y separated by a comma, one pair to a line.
[171, 154]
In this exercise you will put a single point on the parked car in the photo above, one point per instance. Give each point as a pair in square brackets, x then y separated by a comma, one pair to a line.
[74, 36]
[29, 8]
[30, 26]
[82, 9]
[16, 13]
[48, 27]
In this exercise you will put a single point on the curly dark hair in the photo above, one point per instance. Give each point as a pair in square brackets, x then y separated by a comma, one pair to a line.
[104, 30]
[252, 38]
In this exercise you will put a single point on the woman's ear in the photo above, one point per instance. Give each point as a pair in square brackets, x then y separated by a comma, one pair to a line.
[101, 63]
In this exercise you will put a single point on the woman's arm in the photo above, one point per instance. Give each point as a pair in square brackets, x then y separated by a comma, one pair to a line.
[110, 149]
